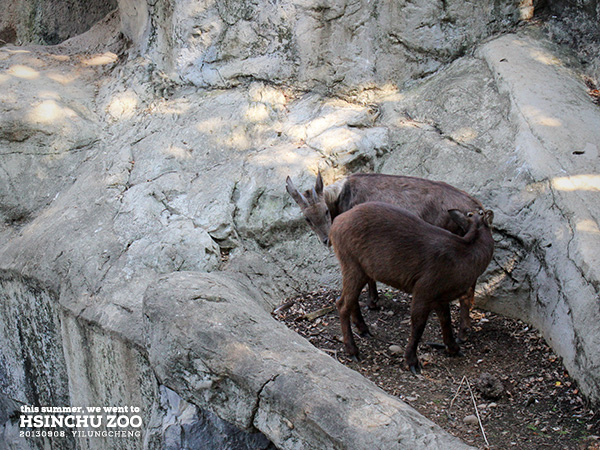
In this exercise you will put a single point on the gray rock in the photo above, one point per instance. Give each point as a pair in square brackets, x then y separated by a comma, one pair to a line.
[211, 343]
[182, 425]
[342, 45]
[395, 349]
[557, 138]
[27, 21]
[471, 420]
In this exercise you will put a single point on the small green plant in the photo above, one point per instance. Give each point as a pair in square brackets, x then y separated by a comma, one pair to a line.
[388, 295]
[536, 430]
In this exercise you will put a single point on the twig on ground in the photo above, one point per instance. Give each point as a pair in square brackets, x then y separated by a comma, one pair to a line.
[477, 413]
[474, 404]
[457, 391]
[318, 313]
[283, 307]
[334, 352]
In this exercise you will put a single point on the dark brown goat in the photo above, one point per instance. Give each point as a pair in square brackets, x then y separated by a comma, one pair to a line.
[379, 241]
[430, 200]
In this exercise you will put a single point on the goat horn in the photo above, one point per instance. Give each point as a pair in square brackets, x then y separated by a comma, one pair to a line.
[314, 195]
[296, 195]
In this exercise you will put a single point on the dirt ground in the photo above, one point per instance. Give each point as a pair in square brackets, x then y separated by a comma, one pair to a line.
[508, 390]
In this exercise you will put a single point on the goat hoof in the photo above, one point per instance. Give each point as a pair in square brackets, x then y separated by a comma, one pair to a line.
[454, 351]
[373, 307]
[354, 358]
[463, 335]
[415, 369]
[365, 333]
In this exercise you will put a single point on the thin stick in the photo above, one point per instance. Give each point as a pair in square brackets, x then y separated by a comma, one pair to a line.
[457, 391]
[334, 352]
[284, 306]
[477, 412]
[320, 312]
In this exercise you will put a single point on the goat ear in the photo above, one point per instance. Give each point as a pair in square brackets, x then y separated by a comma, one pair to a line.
[319, 184]
[459, 218]
[297, 196]
[489, 217]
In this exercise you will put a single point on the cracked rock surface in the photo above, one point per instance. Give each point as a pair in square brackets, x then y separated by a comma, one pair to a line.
[557, 140]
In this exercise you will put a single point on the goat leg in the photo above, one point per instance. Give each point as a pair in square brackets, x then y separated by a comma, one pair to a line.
[418, 317]
[345, 312]
[348, 307]
[359, 321]
[443, 313]
[466, 304]
[373, 296]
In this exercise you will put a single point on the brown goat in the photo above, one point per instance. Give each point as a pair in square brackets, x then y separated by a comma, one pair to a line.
[430, 200]
[379, 241]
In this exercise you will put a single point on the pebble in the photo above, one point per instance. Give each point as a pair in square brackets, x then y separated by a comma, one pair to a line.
[470, 420]
[395, 349]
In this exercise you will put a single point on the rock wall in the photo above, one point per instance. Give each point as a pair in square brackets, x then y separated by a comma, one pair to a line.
[575, 25]
[33, 370]
[590, 8]
[558, 137]
[147, 232]
[50, 358]
[49, 22]
[312, 44]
